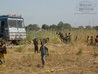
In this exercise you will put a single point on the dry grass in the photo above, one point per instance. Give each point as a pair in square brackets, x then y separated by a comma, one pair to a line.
[63, 58]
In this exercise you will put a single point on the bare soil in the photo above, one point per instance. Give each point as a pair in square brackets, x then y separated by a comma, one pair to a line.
[62, 59]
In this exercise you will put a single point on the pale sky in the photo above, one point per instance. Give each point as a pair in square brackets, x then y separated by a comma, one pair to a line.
[50, 11]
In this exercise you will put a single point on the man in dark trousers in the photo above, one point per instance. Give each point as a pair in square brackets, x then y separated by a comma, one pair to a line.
[44, 53]
[36, 45]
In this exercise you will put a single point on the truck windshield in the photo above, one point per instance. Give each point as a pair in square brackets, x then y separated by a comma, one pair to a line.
[20, 24]
[12, 23]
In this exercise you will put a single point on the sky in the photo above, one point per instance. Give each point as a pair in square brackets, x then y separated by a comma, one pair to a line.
[50, 11]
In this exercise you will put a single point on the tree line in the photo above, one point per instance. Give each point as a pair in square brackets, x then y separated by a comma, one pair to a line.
[59, 26]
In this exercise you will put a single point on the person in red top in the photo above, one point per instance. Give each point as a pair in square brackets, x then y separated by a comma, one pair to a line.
[62, 36]
[96, 40]
[91, 40]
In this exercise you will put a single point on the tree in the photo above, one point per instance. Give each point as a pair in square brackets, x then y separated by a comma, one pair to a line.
[62, 26]
[44, 26]
[88, 27]
[66, 26]
[95, 27]
[81, 27]
[32, 27]
[53, 26]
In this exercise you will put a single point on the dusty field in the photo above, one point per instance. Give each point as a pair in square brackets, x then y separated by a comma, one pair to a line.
[63, 59]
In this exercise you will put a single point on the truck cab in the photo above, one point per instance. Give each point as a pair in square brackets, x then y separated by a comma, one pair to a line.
[12, 27]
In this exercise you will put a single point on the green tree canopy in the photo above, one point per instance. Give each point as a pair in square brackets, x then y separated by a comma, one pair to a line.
[88, 27]
[62, 25]
[53, 26]
[66, 26]
[32, 27]
[44, 26]
[81, 27]
[95, 27]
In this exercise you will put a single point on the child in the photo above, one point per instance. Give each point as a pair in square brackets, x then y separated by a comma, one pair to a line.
[2, 51]
[62, 36]
[36, 45]
[96, 40]
[44, 53]
[66, 37]
[69, 37]
[88, 40]
[91, 40]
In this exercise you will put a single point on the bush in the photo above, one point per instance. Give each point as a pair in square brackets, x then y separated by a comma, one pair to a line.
[44, 34]
[21, 42]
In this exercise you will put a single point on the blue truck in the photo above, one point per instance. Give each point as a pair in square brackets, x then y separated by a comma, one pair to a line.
[12, 27]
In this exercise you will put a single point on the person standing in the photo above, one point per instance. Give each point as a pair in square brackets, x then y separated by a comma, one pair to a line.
[69, 37]
[88, 40]
[96, 40]
[2, 52]
[36, 45]
[66, 37]
[44, 53]
[91, 40]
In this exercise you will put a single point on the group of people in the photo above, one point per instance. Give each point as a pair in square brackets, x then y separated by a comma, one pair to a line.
[37, 41]
[90, 41]
[43, 48]
[65, 38]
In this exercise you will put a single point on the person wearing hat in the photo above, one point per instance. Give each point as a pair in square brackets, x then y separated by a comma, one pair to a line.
[44, 53]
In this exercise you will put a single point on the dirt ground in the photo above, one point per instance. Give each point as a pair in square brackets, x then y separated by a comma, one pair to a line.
[62, 59]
